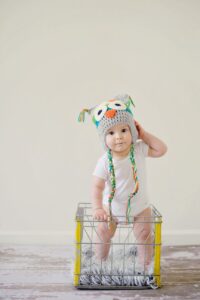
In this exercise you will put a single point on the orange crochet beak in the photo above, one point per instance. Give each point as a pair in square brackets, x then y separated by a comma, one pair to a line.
[110, 113]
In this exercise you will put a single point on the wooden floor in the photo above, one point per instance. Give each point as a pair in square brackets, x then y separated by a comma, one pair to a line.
[44, 272]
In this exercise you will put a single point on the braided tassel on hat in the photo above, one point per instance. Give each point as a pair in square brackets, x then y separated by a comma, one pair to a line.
[134, 168]
[81, 117]
[113, 184]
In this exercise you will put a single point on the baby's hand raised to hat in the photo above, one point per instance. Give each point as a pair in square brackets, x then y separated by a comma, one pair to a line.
[100, 214]
[140, 130]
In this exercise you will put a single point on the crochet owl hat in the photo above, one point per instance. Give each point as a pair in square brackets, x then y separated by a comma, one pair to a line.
[106, 115]
[110, 113]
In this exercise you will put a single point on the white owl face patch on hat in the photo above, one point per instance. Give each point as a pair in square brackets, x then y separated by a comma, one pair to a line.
[109, 110]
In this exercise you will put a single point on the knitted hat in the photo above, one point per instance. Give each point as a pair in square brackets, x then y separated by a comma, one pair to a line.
[110, 113]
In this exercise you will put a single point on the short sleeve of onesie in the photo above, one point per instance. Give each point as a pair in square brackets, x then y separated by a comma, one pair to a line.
[142, 148]
[101, 168]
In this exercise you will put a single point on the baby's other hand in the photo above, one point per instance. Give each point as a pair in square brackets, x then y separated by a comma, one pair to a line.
[100, 214]
[140, 130]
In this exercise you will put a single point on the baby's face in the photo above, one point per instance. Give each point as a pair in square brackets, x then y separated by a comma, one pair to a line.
[119, 138]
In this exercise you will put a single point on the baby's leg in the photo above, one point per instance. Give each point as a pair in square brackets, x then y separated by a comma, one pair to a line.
[104, 236]
[143, 232]
[103, 239]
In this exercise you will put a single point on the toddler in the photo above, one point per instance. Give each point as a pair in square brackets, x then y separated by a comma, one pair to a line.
[119, 180]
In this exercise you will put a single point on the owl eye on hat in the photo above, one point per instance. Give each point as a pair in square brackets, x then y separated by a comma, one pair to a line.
[110, 113]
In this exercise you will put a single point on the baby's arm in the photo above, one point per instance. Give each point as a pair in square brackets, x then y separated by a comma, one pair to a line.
[98, 185]
[157, 147]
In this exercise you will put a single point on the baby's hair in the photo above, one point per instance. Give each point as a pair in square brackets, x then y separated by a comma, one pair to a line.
[113, 181]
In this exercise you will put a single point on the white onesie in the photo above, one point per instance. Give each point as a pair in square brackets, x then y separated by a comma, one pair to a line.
[125, 182]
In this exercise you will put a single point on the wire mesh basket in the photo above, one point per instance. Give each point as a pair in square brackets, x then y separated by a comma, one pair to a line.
[121, 269]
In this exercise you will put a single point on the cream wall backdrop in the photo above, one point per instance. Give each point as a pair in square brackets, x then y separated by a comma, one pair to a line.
[57, 57]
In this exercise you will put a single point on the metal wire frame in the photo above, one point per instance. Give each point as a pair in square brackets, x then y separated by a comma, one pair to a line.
[86, 229]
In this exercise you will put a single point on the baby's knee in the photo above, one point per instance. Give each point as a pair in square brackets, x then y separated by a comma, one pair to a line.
[104, 231]
[145, 234]
[103, 228]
